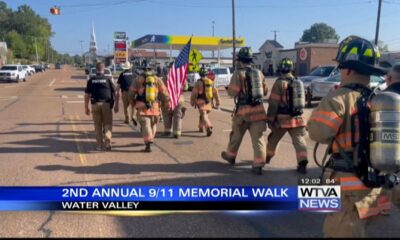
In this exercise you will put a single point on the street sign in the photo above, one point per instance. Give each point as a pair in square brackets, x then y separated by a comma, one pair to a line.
[120, 45]
[120, 35]
[120, 54]
[194, 68]
[195, 56]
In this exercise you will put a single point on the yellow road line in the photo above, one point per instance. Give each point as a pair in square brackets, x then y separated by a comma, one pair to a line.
[82, 156]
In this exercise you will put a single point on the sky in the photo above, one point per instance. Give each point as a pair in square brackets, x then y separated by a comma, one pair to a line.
[255, 19]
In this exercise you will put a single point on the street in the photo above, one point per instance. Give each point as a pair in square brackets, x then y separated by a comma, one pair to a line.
[47, 140]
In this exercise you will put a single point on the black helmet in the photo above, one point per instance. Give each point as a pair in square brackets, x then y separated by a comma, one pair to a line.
[360, 55]
[285, 65]
[146, 65]
[203, 71]
[245, 55]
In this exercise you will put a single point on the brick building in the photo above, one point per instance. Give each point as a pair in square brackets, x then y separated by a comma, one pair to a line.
[312, 55]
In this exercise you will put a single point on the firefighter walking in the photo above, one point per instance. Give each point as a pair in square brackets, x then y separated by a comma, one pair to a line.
[173, 118]
[101, 92]
[149, 92]
[203, 95]
[248, 87]
[342, 121]
[285, 111]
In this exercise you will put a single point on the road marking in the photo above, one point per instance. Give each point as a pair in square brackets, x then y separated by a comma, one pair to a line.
[82, 156]
[52, 82]
[80, 96]
[75, 101]
[8, 98]
[63, 96]
[227, 130]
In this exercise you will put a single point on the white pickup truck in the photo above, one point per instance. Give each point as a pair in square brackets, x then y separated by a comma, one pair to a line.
[12, 73]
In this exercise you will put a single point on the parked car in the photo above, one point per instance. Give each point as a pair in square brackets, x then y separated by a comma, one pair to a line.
[39, 68]
[322, 87]
[58, 66]
[222, 77]
[318, 73]
[191, 79]
[12, 73]
[107, 73]
[28, 69]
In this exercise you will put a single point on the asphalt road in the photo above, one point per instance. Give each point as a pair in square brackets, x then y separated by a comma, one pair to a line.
[47, 140]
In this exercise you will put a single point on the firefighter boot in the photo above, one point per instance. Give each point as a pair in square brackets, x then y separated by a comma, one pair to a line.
[256, 170]
[148, 147]
[227, 158]
[302, 167]
[209, 131]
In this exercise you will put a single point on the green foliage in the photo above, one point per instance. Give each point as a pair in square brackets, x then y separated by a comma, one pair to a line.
[319, 32]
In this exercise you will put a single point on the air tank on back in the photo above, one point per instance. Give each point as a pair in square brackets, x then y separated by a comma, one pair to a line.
[385, 132]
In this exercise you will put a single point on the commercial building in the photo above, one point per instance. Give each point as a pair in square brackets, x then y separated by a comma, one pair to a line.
[306, 56]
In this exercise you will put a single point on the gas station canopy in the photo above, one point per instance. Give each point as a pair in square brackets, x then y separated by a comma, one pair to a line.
[168, 42]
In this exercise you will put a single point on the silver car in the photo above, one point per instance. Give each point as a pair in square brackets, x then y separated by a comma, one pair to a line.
[321, 88]
[107, 73]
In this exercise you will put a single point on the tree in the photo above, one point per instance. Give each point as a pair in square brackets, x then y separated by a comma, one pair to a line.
[16, 43]
[319, 32]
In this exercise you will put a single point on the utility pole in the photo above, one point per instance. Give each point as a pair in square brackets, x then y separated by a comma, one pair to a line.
[275, 31]
[213, 22]
[233, 36]
[37, 58]
[378, 20]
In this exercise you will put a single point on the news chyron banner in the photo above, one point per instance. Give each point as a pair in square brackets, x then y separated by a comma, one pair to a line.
[171, 198]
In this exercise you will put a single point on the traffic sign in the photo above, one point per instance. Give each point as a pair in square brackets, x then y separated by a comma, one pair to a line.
[195, 56]
[303, 54]
[194, 68]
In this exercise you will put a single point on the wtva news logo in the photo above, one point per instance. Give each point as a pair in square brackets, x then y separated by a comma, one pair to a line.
[319, 198]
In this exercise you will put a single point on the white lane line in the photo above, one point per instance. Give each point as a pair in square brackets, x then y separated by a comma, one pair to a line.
[51, 83]
[74, 101]
[80, 96]
[63, 96]
[8, 98]
[227, 130]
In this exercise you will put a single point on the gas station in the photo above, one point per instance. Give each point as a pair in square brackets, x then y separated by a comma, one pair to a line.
[201, 43]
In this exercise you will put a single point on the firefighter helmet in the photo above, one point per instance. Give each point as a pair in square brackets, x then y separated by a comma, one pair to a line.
[360, 55]
[245, 54]
[285, 65]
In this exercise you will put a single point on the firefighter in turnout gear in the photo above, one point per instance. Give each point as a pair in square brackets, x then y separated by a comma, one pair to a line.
[173, 119]
[149, 91]
[101, 92]
[203, 95]
[285, 114]
[343, 121]
[248, 87]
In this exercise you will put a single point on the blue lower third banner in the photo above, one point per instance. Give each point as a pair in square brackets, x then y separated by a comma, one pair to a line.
[149, 198]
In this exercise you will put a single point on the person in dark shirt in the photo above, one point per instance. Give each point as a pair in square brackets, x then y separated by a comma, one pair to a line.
[101, 92]
[124, 82]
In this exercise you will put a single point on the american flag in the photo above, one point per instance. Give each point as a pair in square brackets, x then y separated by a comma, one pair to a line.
[177, 75]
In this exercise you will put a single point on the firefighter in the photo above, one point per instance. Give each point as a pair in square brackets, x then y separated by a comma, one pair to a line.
[101, 92]
[124, 82]
[248, 87]
[285, 114]
[203, 95]
[173, 118]
[340, 121]
[149, 91]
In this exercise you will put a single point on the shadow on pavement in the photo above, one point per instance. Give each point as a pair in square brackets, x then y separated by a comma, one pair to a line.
[72, 89]
[78, 77]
